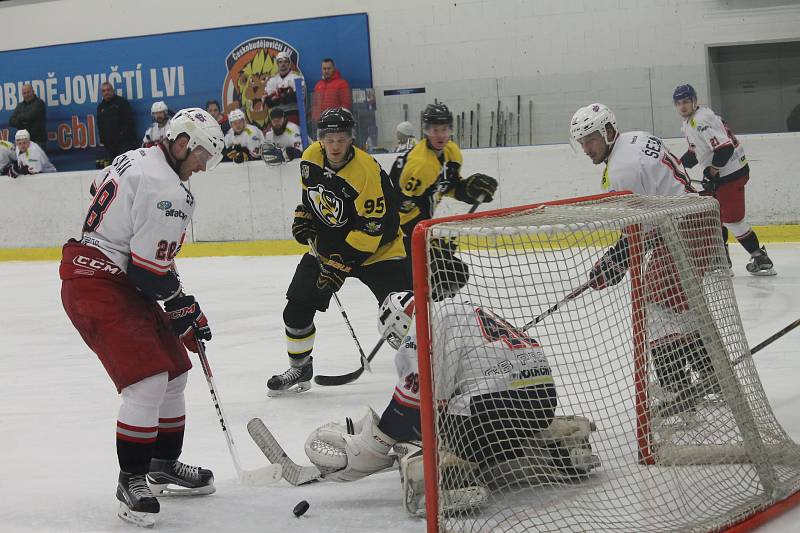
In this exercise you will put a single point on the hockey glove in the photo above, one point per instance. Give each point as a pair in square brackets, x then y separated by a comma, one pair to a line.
[710, 181]
[293, 153]
[476, 188]
[272, 154]
[187, 320]
[303, 227]
[611, 268]
[332, 273]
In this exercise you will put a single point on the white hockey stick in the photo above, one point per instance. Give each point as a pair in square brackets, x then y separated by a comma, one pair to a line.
[292, 472]
[260, 476]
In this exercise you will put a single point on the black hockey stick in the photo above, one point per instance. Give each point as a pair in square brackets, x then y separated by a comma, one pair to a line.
[260, 476]
[344, 379]
[769, 340]
[571, 296]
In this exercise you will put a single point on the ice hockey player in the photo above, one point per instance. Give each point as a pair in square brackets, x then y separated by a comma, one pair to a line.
[640, 162]
[282, 139]
[243, 141]
[280, 88]
[349, 211]
[405, 137]
[489, 369]
[431, 170]
[155, 132]
[8, 159]
[112, 281]
[31, 159]
[714, 147]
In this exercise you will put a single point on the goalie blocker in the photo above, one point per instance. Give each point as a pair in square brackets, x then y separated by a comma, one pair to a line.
[501, 367]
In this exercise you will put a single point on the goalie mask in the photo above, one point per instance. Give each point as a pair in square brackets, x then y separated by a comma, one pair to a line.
[394, 317]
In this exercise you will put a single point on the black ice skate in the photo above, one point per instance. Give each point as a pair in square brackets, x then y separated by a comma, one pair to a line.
[137, 503]
[296, 379]
[761, 264]
[173, 478]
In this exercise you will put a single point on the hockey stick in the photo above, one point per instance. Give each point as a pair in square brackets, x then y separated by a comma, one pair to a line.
[769, 340]
[572, 295]
[364, 360]
[344, 379]
[292, 472]
[260, 476]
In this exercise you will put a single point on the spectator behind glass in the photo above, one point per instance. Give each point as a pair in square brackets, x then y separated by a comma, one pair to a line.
[280, 88]
[212, 106]
[115, 123]
[31, 114]
[31, 159]
[331, 91]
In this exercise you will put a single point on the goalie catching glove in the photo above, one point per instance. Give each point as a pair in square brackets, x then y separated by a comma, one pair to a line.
[303, 227]
[350, 451]
[188, 321]
[611, 268]
[476, 188]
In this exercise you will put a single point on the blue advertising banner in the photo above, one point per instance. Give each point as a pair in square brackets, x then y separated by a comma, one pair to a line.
[184, 69]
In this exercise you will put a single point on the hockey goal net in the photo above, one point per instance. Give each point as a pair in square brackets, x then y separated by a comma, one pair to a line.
[660, 421]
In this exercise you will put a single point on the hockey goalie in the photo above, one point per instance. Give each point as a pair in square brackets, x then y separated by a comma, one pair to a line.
[497, 415]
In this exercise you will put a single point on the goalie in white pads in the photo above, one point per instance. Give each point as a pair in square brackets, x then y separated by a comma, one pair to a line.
[501, 403]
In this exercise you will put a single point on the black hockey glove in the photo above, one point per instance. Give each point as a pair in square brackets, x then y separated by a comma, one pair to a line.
[303, 227]
[187, 320]
[293, 153]
[476, 188]
[611, 268]
[272, 154]
[710, 182]
[332, 273]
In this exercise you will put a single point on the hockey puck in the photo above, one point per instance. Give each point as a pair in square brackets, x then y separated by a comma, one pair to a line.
[300, 509]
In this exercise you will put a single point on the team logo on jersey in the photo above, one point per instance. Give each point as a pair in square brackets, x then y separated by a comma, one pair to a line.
[249, 65]
[328, 207]
[164, 205]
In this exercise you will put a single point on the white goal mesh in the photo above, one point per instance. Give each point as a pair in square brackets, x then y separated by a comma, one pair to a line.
[660, 421]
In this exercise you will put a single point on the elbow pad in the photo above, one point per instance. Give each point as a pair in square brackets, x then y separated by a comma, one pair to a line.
[722, 155]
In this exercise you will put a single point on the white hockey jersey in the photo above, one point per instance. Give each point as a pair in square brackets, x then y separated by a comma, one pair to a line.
[406, 146]
[154, 134]
[276, 83]
[479, 353]
[8, 153]
[705, 132]
[640, 162]
[35, 159]
[290, 137]
[250, 138]
[139, 212]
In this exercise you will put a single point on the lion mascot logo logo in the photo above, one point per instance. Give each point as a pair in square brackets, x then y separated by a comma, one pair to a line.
[250, 64]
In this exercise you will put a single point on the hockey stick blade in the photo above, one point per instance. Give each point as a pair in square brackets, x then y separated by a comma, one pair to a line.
[344, 379]
[292, 472]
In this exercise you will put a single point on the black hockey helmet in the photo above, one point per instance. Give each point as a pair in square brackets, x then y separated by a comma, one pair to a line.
[437, 114]
[336, 119]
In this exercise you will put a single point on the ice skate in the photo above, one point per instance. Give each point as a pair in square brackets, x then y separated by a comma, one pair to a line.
[137, 503]
[296, 379]
[761, 264]
[173, 478]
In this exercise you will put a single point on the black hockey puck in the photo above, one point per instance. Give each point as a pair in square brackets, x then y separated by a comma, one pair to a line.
[300, 509]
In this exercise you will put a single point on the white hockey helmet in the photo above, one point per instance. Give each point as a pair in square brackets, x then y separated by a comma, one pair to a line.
[158, 107]
[22, 135]
[203, 131]
[394, 317]
[590, 119]
[284, 55]
[236, 114]
[406, 128]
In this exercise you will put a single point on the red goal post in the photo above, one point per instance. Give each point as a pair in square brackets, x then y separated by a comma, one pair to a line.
[677, 242]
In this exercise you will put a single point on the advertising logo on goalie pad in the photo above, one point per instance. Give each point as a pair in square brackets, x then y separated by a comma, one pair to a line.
[328, 207]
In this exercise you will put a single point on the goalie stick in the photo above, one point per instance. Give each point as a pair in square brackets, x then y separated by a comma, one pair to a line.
[260, 476]
[571, 296]
[292, 472]
[344, 379]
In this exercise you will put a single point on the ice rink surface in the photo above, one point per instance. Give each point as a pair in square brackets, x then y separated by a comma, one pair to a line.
[58, 408]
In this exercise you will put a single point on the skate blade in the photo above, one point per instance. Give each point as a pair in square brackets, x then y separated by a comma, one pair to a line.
[294, 389]
[136, 518]
[769, 272]
[170, 489]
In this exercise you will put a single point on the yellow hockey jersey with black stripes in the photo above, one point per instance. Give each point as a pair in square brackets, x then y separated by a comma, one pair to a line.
[355, 208]
[422, 177]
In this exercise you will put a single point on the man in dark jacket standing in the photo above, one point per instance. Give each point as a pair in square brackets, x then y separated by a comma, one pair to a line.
[31, 114]
[115, 122]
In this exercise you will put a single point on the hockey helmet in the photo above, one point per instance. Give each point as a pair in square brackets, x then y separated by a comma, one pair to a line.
[202, 130]
[590, 119]
[437, 114]
[334, 120]
[394, 317]
[283, 55]
[236, 114]
[22, 135]
[684, 91]
[158, 107]
[405, 128]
